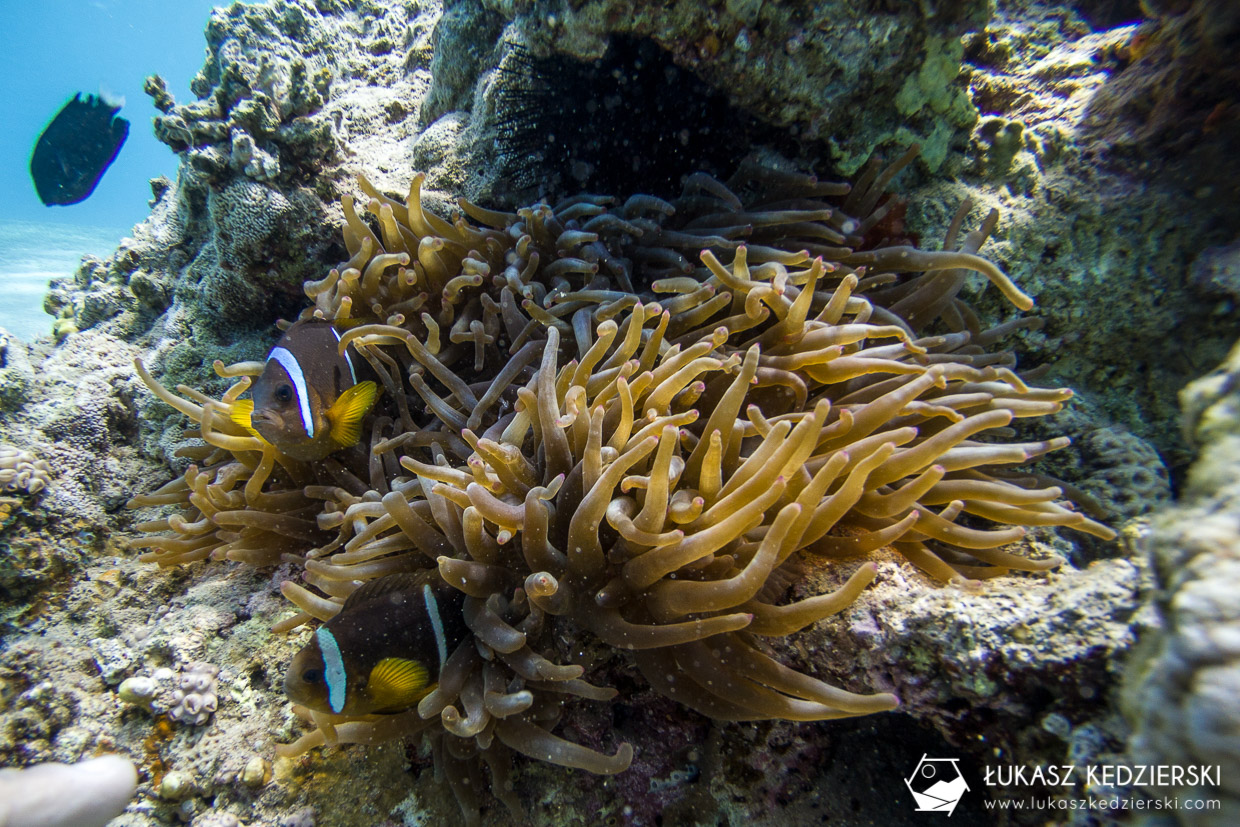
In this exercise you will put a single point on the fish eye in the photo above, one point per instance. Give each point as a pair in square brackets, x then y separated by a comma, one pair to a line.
[311, 675]
[284, 393]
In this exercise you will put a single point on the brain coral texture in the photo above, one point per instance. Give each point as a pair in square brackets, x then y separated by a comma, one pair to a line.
[635, 419]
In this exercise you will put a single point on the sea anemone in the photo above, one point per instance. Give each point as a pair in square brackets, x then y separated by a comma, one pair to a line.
[633, 419]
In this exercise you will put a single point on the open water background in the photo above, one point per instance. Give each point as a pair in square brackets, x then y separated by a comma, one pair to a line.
[31, 254]
[52, 49]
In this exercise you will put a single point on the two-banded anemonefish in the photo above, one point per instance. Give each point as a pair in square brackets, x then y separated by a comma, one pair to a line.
[383, 651]
[307, 402]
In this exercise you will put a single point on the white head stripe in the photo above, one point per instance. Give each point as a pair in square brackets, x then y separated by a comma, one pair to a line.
[333, 672]
[291, 366]
[347, 360]
[432, 611]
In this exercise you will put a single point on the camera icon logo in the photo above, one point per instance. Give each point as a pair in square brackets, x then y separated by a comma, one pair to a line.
[937, 784]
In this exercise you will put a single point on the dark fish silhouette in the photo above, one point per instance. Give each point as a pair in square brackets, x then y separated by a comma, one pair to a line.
[76, 149]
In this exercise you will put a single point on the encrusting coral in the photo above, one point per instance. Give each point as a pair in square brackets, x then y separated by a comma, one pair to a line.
[22, 470]
[189, 698]
[635, 418]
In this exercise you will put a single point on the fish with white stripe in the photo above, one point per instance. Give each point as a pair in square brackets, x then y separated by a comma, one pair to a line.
[383, 652]
[307, 402]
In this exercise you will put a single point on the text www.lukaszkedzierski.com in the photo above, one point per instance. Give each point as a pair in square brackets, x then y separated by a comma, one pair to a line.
[1099, 804]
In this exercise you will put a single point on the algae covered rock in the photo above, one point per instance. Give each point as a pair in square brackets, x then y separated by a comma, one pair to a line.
[1096, 221]
[16, 372]
[853, 77]
[1185, 682]
[548, 99]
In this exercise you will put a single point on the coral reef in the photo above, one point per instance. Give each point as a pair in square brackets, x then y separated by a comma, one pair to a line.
[842, 74]
[229, 244]
[1100, 219]
[246, 265]
[189, 698]
[1109, 226]
[547, 109]
[73, 411]
[1124, 474]
[1216, 272]
[79, 420]
[989, 673]
[195, 697]
[15, 370]
[22, 470]
[1174, 98]
[125, 621]
[1182, 689]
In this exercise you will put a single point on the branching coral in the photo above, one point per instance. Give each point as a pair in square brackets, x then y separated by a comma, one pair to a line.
[632, 419]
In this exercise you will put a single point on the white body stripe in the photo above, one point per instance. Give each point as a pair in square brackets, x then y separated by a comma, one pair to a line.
[293, 368]
[333, 669]
[347, 360]
[432, 611]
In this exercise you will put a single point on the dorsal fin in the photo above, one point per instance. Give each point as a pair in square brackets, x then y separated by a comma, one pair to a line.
[406, 583]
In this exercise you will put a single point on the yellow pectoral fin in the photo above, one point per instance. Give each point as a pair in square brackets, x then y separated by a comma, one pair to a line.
[240, 414]
[397, 683]
[345, 414]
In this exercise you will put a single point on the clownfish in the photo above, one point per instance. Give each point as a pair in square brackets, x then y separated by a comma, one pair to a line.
[307, 402]
[383, 651]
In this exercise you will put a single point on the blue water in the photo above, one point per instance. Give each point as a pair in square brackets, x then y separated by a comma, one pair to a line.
[34, 252]
[52, 49]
